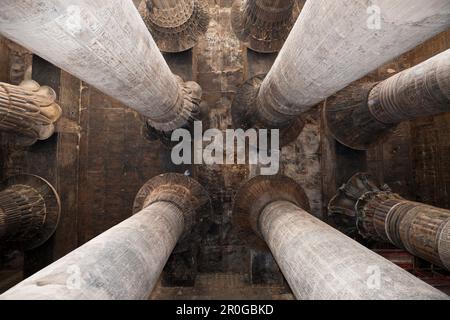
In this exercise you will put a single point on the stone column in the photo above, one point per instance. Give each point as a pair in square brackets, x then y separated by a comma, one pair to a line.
[28, 111]
[330, 46]
[106, 44]
[364, 113]
[378, 214]
[318, 261]
[263, 25]
[175, 25]
[29, 211]
[124, 262]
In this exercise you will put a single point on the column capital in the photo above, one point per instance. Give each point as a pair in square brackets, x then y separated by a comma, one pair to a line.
[184, 192]
[29, 210]
[364, 113]
[185, 110]
[104, 43]
[28, 111]
[342, 208]
[350, 120]
[311, 66]
[249, 111]
[260, 191]
[263, 25]
[176, 27]
[380, 215]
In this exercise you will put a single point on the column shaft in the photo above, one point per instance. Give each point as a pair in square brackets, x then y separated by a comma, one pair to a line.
[364, 113]
[333, 45]
[422, 230]
[319, 262]
[378, 214]
[28, 111]
[125, 261]
[106, 44]
[423, 90]
[121, 263]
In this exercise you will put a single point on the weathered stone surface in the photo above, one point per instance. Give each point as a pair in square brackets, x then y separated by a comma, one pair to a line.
[123, 61]
[124, 262]
[318, 58]
[365, 113]
[103, 138]
[311, 254]
[381, 215]
[319, 262]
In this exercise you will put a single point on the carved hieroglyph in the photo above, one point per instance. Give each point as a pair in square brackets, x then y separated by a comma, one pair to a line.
[363, 113]
[318, 261]
[106, 44]
[124, 262]
[331, 46]
[378, 214]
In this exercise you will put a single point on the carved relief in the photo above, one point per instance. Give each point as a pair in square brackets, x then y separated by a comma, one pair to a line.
[28, 111]
[175, 25]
